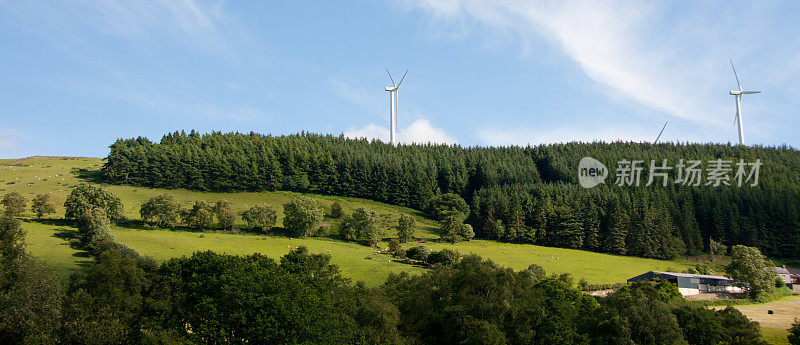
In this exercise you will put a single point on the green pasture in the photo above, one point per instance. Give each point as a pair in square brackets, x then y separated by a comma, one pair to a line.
[57, 176]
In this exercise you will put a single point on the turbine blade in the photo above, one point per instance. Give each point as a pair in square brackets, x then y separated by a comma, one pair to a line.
[659, 133]
[401, 79]
[390, 77]
[737, 76]
[750, 92]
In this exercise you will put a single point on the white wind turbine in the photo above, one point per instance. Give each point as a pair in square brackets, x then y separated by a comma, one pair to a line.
[738, 95]
[393, 105]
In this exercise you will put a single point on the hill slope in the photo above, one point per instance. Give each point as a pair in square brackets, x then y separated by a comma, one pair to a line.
[44, 175]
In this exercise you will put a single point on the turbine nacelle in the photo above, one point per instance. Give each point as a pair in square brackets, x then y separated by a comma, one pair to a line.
[738, 92]
[391, 88]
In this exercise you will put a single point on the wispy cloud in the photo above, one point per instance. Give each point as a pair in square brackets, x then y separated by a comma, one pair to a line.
[354, 91]
[420, 131]
[178, 100]
[199, 25]
[90, 31]
[638, 51]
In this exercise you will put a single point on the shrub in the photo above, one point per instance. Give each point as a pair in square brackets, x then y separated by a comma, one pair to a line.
[260, 218]
[302, 214]
[41, 205]
[91, 223]
[225, 217]
[405, 227]
[200, 216]
[396, 248]
[162, 210]
[361, 226]
[443, 205]
[14, 204]
[794, 333]
[83, 196]
[536, 272]
[336, 210]
[444, 257]
[453, 229]
[419, 253]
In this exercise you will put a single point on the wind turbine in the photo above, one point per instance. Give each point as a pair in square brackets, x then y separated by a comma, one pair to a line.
[738, 95]
[393, 105]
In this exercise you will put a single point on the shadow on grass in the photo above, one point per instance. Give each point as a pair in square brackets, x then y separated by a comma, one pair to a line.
[70, 237]
[53, 221]
[86, 175]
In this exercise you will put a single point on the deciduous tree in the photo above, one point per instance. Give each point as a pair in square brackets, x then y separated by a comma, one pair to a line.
[41, 206]
[302, 215]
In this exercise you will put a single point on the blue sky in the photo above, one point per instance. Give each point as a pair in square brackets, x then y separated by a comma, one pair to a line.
[76, 75]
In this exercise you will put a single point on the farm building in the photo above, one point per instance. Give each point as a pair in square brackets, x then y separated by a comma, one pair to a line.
[788, 275]
[691, 284]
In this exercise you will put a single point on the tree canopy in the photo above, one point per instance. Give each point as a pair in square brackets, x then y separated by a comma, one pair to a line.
[515, 194]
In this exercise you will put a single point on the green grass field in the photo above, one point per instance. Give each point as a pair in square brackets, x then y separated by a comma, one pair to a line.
[46, 242]
[56, 176]
[775, 336]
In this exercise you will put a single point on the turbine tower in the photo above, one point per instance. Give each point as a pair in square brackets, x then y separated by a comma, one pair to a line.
[393, 106]
[738, 94]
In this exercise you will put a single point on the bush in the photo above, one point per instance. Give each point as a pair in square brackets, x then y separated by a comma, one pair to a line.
[794, 333]
[14, 204]
[84, 196]
[405, 228]
[260, 218]
[225, 217]
[453, 229]
[200, 216]
[361, 226]
[396, 248]
[162, 210]
[302, 214]
[444, 257]
[41, 206]
[92, 223]
[466, 232]
[536, 272]
[419, 253]
[336, 210]
[443, 205]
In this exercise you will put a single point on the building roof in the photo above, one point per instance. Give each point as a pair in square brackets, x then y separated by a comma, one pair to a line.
[794, 271]
[689, 275]
[681, 275]
[779, 270]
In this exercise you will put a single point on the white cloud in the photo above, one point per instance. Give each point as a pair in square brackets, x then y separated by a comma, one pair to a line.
[420, 131]
[629, 48]
[370, 131]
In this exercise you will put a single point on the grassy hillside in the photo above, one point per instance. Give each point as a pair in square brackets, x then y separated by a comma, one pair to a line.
[57, 175]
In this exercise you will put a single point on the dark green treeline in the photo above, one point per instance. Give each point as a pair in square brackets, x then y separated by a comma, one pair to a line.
[527, 195]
